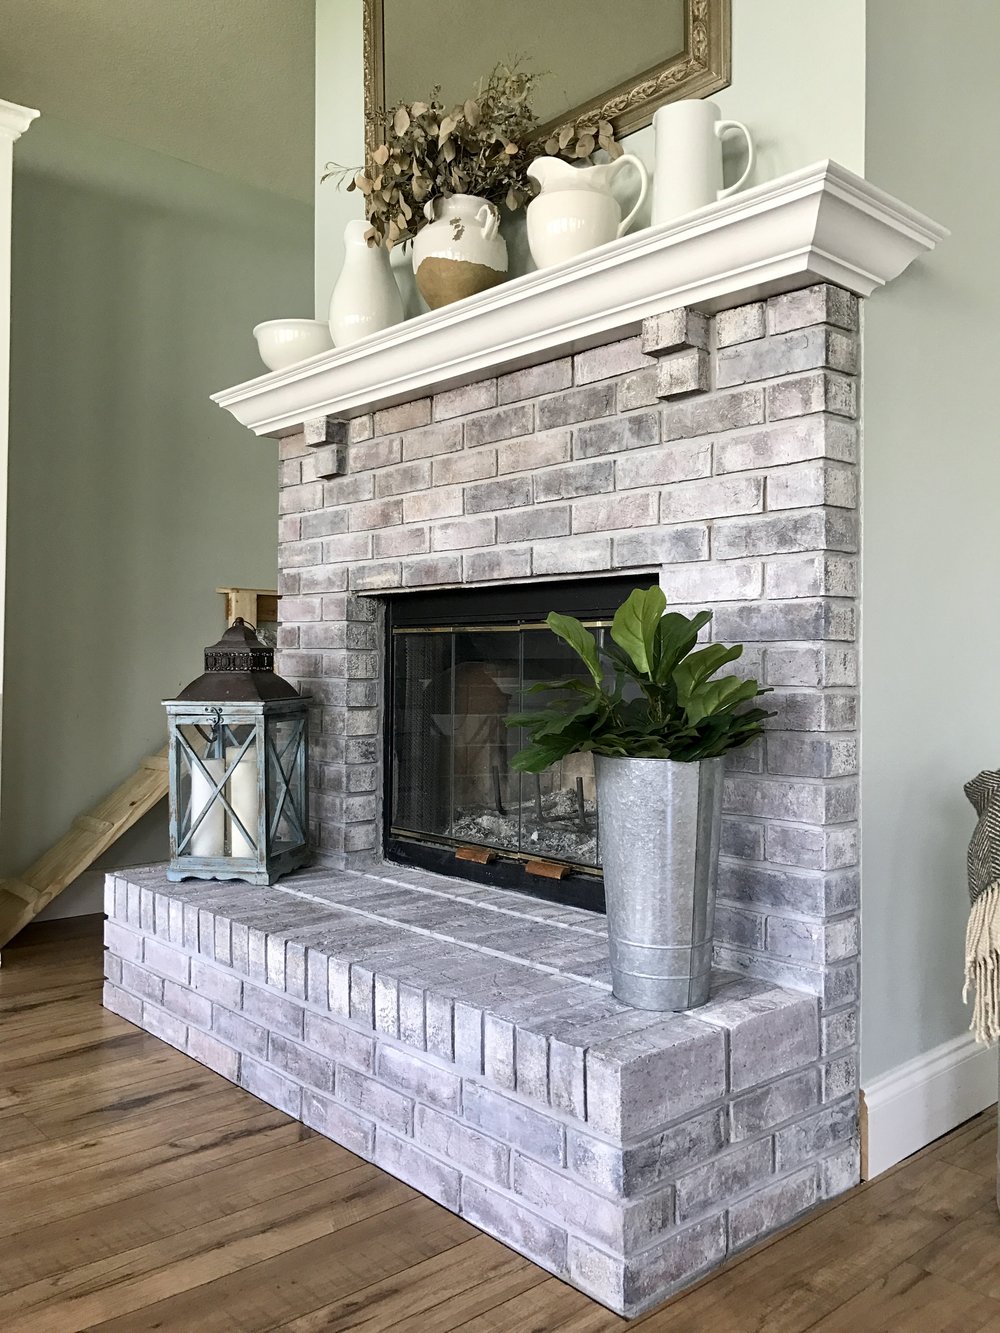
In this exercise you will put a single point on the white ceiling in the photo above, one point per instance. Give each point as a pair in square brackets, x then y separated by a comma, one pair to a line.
[226, 84]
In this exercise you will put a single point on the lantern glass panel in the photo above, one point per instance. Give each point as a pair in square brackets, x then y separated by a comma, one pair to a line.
[284, 744]
[218, 790]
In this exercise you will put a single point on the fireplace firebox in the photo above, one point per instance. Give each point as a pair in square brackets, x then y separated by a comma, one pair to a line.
[459, 663]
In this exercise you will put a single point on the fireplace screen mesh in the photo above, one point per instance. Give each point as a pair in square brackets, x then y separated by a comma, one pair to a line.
[451, 776]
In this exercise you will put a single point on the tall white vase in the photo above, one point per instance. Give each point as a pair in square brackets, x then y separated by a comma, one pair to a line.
[366, 298]
[688, 170]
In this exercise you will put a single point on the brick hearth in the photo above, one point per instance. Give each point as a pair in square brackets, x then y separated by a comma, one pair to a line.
[465, 1040]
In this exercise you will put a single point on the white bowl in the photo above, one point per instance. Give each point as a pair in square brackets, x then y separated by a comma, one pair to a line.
[283, 342]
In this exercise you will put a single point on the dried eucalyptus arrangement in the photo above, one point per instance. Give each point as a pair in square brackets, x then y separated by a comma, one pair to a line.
[480, 147]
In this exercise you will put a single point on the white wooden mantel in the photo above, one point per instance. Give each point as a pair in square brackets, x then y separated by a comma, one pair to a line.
[819, 224]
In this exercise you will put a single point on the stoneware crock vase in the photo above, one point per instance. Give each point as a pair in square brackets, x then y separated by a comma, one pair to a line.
[575, 209]
[659, 832]
[366, 298]
[687, 172]
[460, 252]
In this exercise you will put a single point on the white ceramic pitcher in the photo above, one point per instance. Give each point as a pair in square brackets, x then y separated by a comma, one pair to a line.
[688, 170]
[575, 209]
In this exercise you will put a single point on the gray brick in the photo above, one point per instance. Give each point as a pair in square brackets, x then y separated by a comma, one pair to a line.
[330, 461]
[621, 1227]
[348, 490]
[563, 483]
[215, 1054]
[549, 377]
[815, 1135]
[300, 1064]
[635, 510]
[822, 304]
[126, 943]
[803, 618]
[376, 514]
[433, 569]
[584, 404]
[519, 1227]
[411, 1164]
[714, 497]
[531, 524]
[469, 465]
[713, 413]
[461, 533]
[123, 1004]
[360, 428]
[347, 546]
[402, 541]
[420, 1078]
[375, 454]
[271, 1011]
[465, 399]
[375, 1100]
[444, 437]
[187, 1005]
[638, 390]
[777, 534]
[239, 1033]
[761, 1111]
[334, 1121]
[504, 493]
[673, 331]
[617, 358]
[709, 582]
[462, 1145]
[627, 1171]
[271, 1087]
[796, 441]
[663, 547]
[739, 929]
[771, 1208]
[710, 1187]
[838, 1031]
[442, 502]
[815, 391]
[684, 374]
[485, 566]
[786, 354]
[534, 452]
[510, 1121]
[812, 848]
[656, 467]
[615, 434]
[795, 755]
[112, 968]
[502, 423]
[827, 665]
[374, 576]
[404, 477]
[840, 1171]
[572, 556]
[137, 981]
[742, 838]
[742, 324]
[812, 484]
[769, 1034]
[637, 1083]
[403, 417]
[440, 1025]
[412, 1023]
[324, 430]
[813, 576]
[840, 1077]
[168, 1027]
[631, 1285]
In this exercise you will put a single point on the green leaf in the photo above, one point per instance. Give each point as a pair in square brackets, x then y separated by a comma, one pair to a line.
[583, 643]
[698, 666]
[635, 625]
[676, 635]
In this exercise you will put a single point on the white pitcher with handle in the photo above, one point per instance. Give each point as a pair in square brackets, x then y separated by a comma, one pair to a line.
[576, 210]
[688, 171]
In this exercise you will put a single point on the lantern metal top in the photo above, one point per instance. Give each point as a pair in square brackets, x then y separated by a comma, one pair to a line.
[238, 669]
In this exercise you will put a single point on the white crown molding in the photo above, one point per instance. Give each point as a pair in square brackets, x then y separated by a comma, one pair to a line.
[917, 1102]
[820, 224]
[14, 119]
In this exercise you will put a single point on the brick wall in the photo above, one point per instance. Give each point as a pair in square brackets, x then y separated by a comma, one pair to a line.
[720, 455]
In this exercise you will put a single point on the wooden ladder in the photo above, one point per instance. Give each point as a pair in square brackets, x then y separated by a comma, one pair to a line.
[87, 838]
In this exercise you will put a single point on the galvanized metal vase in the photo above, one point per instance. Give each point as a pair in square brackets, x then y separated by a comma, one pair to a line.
[659, 836]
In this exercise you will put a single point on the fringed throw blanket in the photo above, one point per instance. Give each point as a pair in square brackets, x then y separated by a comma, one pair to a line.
[982, 940]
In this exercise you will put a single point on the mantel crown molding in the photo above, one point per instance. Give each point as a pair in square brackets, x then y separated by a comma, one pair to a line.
[14, 119]
[822, 223]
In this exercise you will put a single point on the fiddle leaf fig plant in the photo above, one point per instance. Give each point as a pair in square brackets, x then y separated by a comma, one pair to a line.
[650, 693]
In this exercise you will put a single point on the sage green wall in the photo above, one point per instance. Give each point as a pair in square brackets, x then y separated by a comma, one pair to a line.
[798, 83]
[931, 630]
[137, 279]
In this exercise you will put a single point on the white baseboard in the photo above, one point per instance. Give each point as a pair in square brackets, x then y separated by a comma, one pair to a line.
[917, 1102]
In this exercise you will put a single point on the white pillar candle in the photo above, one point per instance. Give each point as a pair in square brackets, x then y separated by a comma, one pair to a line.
[243, 798]
[208, 838]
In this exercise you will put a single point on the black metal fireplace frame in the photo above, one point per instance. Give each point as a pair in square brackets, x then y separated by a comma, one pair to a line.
[513, 604]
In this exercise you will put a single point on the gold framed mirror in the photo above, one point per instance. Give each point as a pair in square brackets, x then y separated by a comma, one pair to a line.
[409, 48]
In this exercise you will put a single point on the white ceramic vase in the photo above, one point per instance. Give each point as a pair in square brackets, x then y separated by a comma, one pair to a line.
[366, 298]
[575, 209]
[460, 252]
[688, 163]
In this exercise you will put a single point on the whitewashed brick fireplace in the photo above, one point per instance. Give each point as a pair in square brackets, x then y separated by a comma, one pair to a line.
[682, 406]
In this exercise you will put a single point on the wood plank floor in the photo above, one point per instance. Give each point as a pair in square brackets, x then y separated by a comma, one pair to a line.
[140, 1191]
